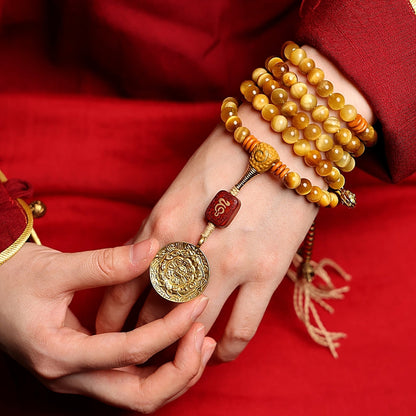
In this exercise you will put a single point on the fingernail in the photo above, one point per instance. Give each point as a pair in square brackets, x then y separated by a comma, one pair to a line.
[199, 338]
[199, 307]
[140, 252]
[209, 350]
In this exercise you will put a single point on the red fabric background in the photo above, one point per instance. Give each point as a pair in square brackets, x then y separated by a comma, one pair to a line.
[100, 161]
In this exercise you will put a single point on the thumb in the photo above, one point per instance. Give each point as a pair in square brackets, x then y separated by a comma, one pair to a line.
[105, 267]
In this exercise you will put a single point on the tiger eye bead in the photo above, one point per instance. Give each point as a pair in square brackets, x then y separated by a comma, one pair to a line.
[292, 180]
[331, 125]
[348, 113]
[241, 133]
[306, 65]
[263, 78]
[324, 142]
[259, 101]
[333, 176]
[290, 135]
[251, 92]
[279, 69]
[312, 132]
[257, 73]
[312, 158]
[229, 102]
[335, 153]
[233, 123]
[270, 86]
[339, 183]
[270, 62]
[353, 145]
[304, 187]
[300, 120]
[246, 84]
[288, 48]
[278, 123]
[349, 166]
[343, 136]
[296, 56]
[289, 109]
[324, 88]
[360, 150]
[320, 113]
[269, 111]
[334, 200]
[308, 102]
[301, 147]
[346, 157]
[369, 136]
[298, 90]
[314, 195]
[324, 168]
[289, 79]
[279, 96]
[315, 76]
[228, 112]
[336, 101]
[325, 199]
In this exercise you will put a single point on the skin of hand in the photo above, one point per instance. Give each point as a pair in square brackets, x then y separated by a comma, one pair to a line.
[255, 251]
[39, 330]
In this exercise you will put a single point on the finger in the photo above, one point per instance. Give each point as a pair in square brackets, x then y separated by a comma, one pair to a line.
[247, 313]
[154, 308]
[114, 350]
[104, 267]
[117, 303]
[73, 322]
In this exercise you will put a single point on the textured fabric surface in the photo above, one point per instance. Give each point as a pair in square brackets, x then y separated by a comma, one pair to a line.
[76, 120]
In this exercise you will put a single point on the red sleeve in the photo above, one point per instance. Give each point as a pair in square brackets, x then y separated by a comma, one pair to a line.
[374, 43]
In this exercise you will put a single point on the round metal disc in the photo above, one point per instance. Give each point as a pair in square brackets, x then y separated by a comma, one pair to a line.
[179, 272]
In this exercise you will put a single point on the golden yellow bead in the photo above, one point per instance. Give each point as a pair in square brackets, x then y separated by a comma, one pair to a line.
[296, 56]
[250, 92]
[324, 142]
[278, 123]
[334, 200]
[290, 135]
[289, 79]
[263, 78]
[279, 96]
[336, 101]
[306, 65]
[301, 147]
[241, 133]
[315, 194]
[246, 84]
[333, 176]
[272, 61]
[349, 166]
[332, 125]
[298, 90]
[312, 132]
[289, 109]
[320, 113]
[325, 199]
[228, 112]
[229, 102]
[353, 145]
[308, 102]
[233, 123]
[279, 69]
[315, 76]
[304, 187]
[256, 74]
[259, 101]
[369, 136]
[324, 88]
[360, 150]
[270, 86]
[288, 48]
[339, 183]
[292, 180]
[300, 120]
[343, 136]
[263, 157]
[269, 111]
[346, 157]
[335, 153]
[312, 158]
[324, 168]
[348, 113]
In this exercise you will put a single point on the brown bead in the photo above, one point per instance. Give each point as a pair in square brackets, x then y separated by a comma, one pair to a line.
[279, 96]
[320, 113]
[292, 180]
[353, 145]
[335, 153]
[289, 109]
[306, 65]
[348, 113]
[332, 125]
[279, 69]
[339, 183]
[270, 62]
[259, 101]
[304, 187]
[296, 56]
[369, 136]
[360, 150]
[229, 102]
[324, 142]
[288, 48]
[308, 102]
[269, 111]
[246, 84]
[312, 158]
[300, 120]
[315, 76]
[298, 90]
[301, 147]
[278, 123]
[290, 135]
[324, 88]
[257, 73]
[343, 136]
[241, 133]
[289, 79]
[333, 176]
[336, 101]
[263, 78]
[324, 168]
[270, 86]
[251, 92]
[315, 194]
[228, 112]
[233, 123]
[312, 132]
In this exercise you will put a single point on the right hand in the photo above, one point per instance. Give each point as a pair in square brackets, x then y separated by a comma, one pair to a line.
[40, 331]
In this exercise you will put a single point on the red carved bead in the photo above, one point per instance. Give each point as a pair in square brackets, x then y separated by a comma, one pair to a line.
[222, 209]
